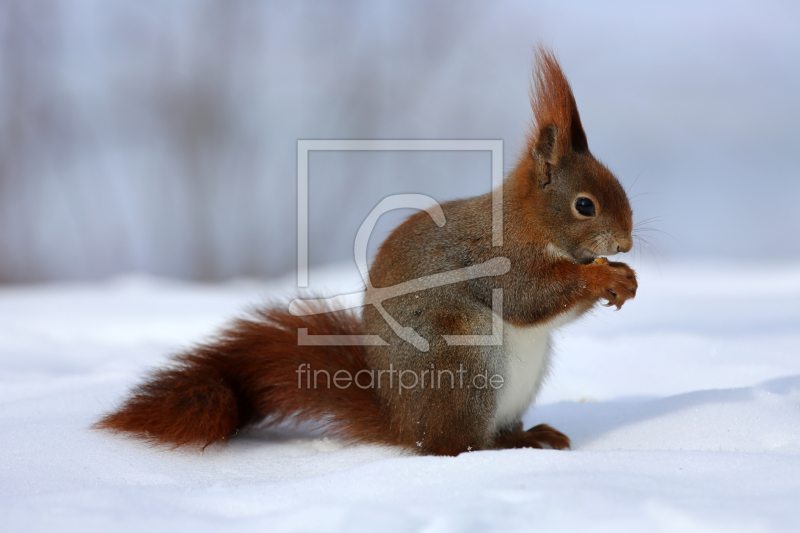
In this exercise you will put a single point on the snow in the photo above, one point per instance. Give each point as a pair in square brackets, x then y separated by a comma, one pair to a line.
[683, 409]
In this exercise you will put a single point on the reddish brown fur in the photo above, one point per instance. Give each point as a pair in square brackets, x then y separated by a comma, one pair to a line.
[553, 103]
[250, 373]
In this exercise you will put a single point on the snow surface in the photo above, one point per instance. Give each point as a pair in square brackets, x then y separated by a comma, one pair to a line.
[683, 409]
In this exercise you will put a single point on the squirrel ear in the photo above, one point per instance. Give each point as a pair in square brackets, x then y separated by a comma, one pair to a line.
[577, 140]
[544, 154]
[554, 107]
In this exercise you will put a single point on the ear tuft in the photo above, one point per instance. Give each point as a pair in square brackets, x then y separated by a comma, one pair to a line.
[554, 107]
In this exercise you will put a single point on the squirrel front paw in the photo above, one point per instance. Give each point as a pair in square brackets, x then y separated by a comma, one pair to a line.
[619, 283]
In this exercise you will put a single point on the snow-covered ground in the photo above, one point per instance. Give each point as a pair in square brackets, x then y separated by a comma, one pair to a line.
[683, 409]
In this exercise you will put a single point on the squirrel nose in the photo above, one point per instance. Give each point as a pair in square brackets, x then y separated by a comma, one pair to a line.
[624, 245]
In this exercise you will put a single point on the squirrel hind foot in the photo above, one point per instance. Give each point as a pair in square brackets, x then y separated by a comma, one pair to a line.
[536, 437]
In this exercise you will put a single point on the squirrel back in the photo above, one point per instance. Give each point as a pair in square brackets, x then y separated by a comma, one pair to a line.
[484, 338]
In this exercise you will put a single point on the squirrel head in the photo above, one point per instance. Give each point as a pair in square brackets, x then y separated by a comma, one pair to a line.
[570, 199]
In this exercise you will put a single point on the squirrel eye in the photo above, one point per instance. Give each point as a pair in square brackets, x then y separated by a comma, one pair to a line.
[585, 206]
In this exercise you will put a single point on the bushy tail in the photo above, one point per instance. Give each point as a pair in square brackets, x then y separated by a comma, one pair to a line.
[254, 371]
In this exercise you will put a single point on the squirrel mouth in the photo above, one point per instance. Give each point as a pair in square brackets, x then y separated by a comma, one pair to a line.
[580, 256]
[585, 257]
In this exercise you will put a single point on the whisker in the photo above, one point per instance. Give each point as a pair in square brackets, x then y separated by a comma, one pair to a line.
[648, 220]
[639, 231]
[638, 194]
[650, 247]
[639, 175]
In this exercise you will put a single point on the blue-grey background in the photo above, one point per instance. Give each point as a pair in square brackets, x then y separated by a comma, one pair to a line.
[160, 136]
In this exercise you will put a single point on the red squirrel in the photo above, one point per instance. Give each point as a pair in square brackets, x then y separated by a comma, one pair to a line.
[562, 211]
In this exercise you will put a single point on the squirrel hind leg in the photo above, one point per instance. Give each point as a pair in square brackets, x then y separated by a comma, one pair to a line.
[451, 421]
[535, 437]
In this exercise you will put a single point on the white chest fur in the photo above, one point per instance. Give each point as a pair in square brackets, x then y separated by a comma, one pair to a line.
[526, 354]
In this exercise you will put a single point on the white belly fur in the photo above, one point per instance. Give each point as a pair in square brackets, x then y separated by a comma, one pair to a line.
[526, 352]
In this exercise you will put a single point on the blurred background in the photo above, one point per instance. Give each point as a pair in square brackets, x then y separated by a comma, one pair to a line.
[160, 136]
